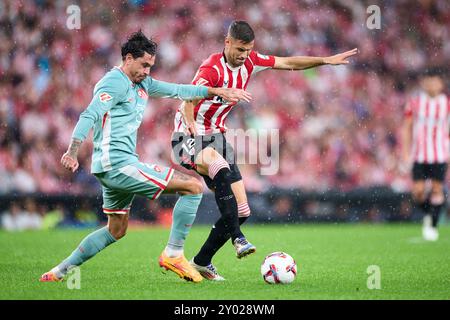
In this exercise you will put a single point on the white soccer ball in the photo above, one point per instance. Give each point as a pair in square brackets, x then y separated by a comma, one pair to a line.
[278, 267]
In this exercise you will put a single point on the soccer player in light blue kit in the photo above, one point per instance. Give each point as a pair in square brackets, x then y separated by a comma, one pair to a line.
[115, 113]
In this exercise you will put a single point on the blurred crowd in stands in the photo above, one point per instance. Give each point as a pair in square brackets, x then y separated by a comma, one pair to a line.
[379, 205]
[339, 126]
[31, 214]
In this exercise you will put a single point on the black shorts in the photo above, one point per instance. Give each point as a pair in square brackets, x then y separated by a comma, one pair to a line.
[425, 171]
[186, 148]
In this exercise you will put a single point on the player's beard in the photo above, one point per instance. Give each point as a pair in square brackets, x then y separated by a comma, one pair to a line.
[139, 79]
[239, 63]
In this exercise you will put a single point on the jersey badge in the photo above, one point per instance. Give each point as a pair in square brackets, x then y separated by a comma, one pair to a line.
[104, 97]
[142, 94]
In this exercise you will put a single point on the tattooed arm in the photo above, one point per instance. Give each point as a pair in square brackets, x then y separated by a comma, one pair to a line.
[107, 93]
[69, 159]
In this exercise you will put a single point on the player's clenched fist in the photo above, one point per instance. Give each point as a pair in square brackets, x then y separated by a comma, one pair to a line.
[69, 159]
[69, 163]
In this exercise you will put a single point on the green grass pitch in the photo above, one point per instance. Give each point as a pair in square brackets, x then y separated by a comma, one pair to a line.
[332, 260]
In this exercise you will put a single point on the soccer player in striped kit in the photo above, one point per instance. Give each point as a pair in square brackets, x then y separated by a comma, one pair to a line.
[115, 113]
[426, 147]
[199, 143]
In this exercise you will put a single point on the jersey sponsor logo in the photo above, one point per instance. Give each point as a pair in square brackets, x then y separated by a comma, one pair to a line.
[225, 198]
[201, 82]
[263, 56]
[104, 97]
[218, 99]
[142, 94]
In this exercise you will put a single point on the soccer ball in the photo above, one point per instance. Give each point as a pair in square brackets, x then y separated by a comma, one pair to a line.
[278, 267]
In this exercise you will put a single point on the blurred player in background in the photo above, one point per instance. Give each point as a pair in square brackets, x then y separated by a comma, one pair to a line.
[208, 153]
[115, 113]
[426, 148]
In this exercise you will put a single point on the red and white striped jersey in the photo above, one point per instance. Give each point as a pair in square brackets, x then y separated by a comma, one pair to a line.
[431, 116]
[210, 113]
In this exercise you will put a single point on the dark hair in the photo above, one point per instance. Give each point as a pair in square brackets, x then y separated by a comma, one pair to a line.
[137, 44]
[241, 30]
[432, 72]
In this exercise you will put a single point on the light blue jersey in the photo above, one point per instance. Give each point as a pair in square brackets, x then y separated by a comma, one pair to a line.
[116, 112]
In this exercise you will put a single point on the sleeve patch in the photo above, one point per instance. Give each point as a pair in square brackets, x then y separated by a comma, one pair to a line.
[104, 97]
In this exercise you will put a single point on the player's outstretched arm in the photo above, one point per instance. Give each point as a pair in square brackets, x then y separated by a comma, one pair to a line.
[162, 89]
[230, 94]
[302, 63]
[69, 159]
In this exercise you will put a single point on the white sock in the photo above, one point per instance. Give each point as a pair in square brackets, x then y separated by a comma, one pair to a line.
[173, 253]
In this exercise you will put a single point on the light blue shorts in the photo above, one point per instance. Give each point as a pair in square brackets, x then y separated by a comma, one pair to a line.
[121, 185]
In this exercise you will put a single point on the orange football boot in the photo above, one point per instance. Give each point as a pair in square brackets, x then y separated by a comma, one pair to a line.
[180, 266]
